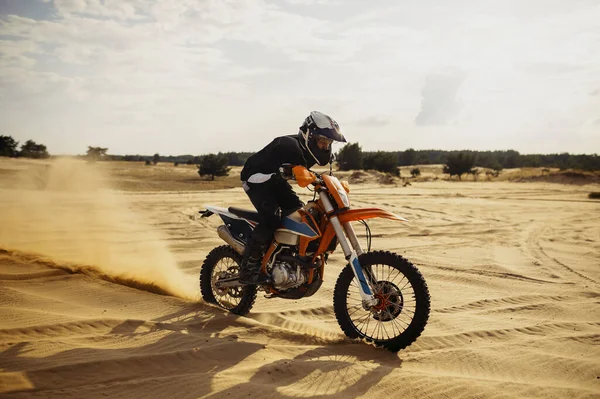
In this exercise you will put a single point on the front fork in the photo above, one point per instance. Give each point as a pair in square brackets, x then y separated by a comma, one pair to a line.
[352, 250]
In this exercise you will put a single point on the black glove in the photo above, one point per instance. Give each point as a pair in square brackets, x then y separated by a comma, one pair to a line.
[285, 171]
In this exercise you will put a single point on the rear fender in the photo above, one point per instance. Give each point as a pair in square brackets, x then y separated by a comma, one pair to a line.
[239, 228]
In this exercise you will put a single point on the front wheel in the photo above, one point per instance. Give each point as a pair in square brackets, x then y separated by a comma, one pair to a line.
[223, 263]
[404, 302]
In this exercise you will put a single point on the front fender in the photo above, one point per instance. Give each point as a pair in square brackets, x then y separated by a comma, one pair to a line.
[368, 213]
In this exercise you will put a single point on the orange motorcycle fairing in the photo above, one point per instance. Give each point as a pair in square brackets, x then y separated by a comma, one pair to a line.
[304, 241]
[352, 215]
[336, 190]
[328, 235]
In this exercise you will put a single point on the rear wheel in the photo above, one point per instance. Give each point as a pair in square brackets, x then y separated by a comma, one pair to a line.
[222, 263]
[404, 302]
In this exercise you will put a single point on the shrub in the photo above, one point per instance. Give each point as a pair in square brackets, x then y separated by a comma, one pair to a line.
[415, 172]
[213, 165]
[459, 163]
[475, 172]
[8, 146]
[358, 177]
[95, 153]
[496, 169]
[33, 150]
[386, 178]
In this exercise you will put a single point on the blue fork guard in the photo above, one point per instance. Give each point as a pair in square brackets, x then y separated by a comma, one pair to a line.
[361, 276]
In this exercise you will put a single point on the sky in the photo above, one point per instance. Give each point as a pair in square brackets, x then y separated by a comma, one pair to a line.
[201, 76]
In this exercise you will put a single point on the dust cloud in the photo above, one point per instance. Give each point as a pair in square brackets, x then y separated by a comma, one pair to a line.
[65, 211]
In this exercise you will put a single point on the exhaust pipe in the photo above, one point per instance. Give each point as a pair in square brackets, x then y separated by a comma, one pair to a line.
[226, 236]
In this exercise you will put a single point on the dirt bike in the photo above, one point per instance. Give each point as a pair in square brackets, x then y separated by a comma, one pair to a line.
[379, 296]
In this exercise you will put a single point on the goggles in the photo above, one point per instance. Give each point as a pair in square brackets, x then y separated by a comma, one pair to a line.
[322, 141]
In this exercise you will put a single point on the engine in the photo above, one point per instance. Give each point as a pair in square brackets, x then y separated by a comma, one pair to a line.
[286, 276]
[290, 274]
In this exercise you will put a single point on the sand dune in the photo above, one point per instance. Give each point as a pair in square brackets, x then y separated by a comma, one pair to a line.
[98, 296]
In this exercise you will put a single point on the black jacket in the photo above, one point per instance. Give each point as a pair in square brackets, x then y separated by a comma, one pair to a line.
[285, 149]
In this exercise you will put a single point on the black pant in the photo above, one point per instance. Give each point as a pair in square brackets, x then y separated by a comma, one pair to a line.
[272, 199]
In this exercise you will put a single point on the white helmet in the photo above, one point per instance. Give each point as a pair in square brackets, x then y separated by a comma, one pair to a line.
[319, 127]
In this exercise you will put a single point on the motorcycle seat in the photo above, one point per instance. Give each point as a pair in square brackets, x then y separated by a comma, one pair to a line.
[246, 214]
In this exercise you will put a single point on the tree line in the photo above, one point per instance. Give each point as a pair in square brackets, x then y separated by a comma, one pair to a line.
[233, 158]
[351, 156]
[211, 165]
[29, 149]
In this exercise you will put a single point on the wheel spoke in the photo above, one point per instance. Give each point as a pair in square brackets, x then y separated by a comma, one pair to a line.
[226, 299]
[388, 278]
[398, 321]
[394, 329]
[398, 273]
[357, 310]
[385, 326]
[385, 329]
[378, 332]
[400, 306]
[366, 317]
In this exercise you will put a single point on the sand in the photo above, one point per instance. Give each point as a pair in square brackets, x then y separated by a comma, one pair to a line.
[99, 294]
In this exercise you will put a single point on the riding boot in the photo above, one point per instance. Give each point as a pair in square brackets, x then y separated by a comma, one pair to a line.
[250, 272]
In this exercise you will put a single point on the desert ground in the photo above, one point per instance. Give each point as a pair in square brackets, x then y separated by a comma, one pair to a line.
[99, 291]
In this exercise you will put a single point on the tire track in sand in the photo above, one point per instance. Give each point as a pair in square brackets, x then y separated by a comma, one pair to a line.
[532, 243]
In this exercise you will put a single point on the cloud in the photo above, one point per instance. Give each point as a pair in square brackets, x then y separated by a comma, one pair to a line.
[439, 102]
[374, 121]
[120, 10]
[17, 54]
[146, 67]
[314, 2]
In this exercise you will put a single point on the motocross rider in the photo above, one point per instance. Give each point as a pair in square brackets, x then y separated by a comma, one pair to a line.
[271, 194]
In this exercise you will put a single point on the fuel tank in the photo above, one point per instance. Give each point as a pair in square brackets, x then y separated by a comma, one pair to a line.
[292, 228]
[284, 235]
